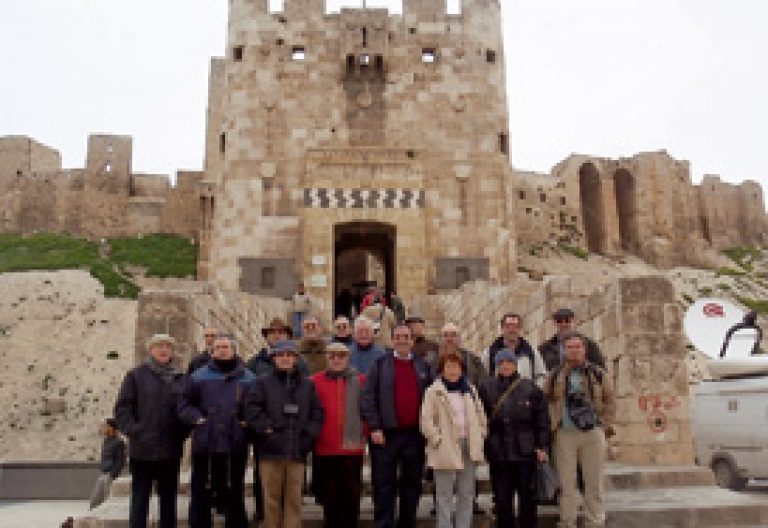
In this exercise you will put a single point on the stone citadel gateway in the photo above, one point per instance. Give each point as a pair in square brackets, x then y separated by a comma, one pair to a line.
[362, 145]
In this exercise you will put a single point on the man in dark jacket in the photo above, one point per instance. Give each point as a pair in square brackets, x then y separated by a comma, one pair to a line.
[285, 414]
[532, 366]
[212, 403]
[145, 412]
[518, 436]
[391, 406]
[202, 359]
[553, 349]
[261, 365]
[421, 345]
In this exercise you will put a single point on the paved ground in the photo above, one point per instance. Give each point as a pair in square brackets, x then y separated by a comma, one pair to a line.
[39, 514]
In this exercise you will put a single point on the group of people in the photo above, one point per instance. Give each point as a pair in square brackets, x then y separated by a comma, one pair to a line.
[411, 403]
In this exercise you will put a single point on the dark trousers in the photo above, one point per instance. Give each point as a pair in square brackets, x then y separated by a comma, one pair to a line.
[403, 449]
[143, 475]
[508, 479]
[341, 489]
[220, 476]
[258, 492]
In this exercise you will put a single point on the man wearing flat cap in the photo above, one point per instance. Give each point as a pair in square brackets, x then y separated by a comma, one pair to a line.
[261, 365]
[145, 412]
[553, 349]
[284, 413]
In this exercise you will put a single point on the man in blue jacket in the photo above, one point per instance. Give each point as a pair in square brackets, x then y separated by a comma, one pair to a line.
[213, 403]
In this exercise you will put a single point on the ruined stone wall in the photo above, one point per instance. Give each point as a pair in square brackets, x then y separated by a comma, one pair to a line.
[102, 200]
[64, 350]
[21, 156]
[645, 205]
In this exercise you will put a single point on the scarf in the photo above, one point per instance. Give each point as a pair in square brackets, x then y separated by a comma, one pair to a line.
[167, 372]
[226, 365]
[459, 385]
[353, 425]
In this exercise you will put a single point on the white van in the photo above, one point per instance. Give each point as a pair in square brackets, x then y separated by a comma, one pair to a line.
[730, 421]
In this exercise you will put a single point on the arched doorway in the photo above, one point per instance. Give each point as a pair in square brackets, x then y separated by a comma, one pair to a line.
[626, 207]
[364, 255]
[591, 206]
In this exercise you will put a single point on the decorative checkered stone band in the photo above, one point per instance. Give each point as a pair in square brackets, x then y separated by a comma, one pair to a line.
[364, 198]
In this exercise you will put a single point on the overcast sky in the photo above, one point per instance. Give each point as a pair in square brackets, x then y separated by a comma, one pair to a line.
[603, 77]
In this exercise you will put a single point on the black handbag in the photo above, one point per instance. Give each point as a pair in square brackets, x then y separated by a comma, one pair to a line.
[547, 482]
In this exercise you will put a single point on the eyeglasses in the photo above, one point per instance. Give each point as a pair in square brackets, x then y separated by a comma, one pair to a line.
[337, 355]
[210, 335]
[341, 326]
[560, 320]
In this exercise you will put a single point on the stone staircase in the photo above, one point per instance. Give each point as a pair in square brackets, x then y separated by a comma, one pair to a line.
[642, 497]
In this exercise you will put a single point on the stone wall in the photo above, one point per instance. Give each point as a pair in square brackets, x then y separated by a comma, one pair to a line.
[184, 309]
[64, 350]
[104, 199]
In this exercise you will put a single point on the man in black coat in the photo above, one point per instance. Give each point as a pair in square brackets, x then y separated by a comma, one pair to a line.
[553, 350]
[285, 414]
[518, 437]
[145, 412]
[391, 405]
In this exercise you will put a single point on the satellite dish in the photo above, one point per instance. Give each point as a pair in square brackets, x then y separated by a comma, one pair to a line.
[707, 322]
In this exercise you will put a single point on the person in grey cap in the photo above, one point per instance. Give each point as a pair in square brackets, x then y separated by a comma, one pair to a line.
[518, 437]
[283, 410]
[553, 349]
[145, 412]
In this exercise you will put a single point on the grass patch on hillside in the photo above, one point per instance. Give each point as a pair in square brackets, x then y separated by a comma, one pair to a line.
[758, 305]
[575, 251]
[743, 256]
[160, 255]
[729, 272]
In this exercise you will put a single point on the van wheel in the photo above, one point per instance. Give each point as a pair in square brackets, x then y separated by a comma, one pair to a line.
[726, 476]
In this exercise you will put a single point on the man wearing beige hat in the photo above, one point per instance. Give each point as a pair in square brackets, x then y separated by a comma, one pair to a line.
[145, 412]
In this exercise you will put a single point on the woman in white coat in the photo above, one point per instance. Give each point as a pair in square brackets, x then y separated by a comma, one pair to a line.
[454, 424]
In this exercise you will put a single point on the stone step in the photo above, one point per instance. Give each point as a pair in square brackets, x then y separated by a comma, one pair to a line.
[679, 507]
[617, 478]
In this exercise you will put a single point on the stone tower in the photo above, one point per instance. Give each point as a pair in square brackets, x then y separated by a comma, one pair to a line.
[332, 134]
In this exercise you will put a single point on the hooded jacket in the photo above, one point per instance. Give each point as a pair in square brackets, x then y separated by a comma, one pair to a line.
[217, 396]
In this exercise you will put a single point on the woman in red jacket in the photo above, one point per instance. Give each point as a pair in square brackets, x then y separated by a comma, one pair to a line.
[339, 448]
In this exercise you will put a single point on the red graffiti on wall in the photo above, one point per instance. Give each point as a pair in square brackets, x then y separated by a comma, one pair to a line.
[654, 406]
[657, 402]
